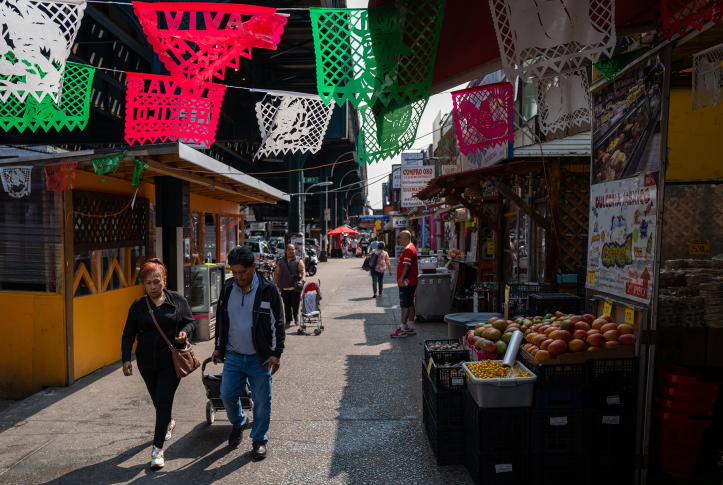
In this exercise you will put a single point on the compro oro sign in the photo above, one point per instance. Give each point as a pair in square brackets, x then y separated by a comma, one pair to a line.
[621, 251]
[414, 179]
[401, 222]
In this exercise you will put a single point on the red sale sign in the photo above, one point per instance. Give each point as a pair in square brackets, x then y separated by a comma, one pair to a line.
[638, 291]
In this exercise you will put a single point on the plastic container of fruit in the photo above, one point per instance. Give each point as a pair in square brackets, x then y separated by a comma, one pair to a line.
[515, 392]
[677, 394]
[684, 378]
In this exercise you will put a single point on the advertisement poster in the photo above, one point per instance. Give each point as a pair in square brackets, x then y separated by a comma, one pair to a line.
[626, 125]
[623, 215]
[415, 179]
[396, 176]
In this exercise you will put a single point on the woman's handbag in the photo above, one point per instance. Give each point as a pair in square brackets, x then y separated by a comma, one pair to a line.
[185, 360]
[370, 263]
[298, 284]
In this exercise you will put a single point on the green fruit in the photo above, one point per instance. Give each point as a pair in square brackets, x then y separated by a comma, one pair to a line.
[549, 315]
[491, 320]
[519, 320]
[492, 334]
[479, 331]
[506, 337]
[500, 347]
[500, 325]
[480, 324]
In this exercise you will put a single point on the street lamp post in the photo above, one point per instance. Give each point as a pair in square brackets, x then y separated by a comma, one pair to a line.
[303, 198]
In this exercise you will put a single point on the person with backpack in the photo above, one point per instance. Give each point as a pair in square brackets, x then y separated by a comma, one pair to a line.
[377, 271]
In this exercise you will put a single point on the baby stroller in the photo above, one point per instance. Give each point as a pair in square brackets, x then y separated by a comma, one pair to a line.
[212, 383]
[310, 309]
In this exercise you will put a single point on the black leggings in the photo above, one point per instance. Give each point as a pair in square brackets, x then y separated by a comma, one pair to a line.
[162, 385]
[291, 304]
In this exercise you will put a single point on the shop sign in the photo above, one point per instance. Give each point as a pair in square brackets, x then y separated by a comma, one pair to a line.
[396, 176]
[415, 179]
[448, 169]
[384, 194]
[484, 158]
[401, 222]
[623, 219]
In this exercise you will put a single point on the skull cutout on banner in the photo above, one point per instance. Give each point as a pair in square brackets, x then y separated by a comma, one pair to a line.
[708, 77]
[564, 101]
[36, 40]
[538, 38]
[292, 123]
[17, 181]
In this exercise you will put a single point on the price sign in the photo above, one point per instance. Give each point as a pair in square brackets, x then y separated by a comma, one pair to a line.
[608, 308]
[591, 276]
[429, 366]
[699, 246]
[490, 246]
[629, 314]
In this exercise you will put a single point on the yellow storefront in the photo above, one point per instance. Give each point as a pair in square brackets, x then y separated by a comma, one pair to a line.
[90, 268]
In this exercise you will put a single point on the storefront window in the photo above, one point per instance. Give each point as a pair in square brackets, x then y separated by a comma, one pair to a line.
[31, 237]
[210, 237]
[229, 235]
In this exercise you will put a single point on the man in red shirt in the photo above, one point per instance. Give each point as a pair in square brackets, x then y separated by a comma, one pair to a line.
[407, 272]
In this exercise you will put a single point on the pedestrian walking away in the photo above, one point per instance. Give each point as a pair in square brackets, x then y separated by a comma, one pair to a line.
[378, 271]
[407, 272]
[364, 246]
[290, 278]
[249, 341]
[354, 244]
[153, 355]
[375, 244]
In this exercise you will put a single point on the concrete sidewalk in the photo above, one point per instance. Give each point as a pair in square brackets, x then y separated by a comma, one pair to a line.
[346, 408]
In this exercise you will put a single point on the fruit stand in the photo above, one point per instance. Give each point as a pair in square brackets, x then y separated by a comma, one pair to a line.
[569, 394]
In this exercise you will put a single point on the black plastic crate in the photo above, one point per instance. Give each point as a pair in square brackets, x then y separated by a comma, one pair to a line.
[562, 469]
[558, 399]
[557, 376]
[542, 304]
[557, 430]
[442, 374]
[442, 355]
[495, 429]
[619, 468]
[445, 406]
[447, 444]
[498, 467]
[581, 280]
[524, 290]
[612, 383]
[610, 430]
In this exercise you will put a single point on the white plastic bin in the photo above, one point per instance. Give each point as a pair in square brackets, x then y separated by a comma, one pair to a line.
[516, 392]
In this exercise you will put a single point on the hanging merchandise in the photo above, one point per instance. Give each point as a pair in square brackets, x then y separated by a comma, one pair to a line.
[138, 167]
[16, 180]
[72, 112]
[678, 15]
[387, 131]
[36, 40]
[563, 101]
[292, 123]
[200, 40]
[483, 117]
[708, 77]
[158, 109]
[60, 176]
[107, 164]
[612, 67]
[537, 39]
[384, 53]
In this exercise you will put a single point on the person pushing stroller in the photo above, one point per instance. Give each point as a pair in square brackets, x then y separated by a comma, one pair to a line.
[249, 340]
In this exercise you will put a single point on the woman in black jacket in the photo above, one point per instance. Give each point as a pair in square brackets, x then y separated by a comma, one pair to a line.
[152, 353]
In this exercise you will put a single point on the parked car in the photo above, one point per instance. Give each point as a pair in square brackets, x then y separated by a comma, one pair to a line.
[260, 249]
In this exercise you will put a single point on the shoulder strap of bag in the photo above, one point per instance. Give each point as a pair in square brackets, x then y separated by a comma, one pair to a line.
[153, 316]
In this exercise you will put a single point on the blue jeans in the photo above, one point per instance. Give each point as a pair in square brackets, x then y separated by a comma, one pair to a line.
[237, 369]
[377, 278]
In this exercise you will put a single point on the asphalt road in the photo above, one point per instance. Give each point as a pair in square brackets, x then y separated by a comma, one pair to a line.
[346, 409]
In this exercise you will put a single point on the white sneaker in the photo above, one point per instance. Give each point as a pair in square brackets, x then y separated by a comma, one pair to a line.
[171, 427]
[157, 460]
